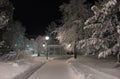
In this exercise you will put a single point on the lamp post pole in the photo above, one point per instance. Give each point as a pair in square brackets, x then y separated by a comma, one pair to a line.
[47, 38]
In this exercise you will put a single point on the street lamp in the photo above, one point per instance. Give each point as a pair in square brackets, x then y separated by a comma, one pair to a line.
[43, 45]
[47, 38]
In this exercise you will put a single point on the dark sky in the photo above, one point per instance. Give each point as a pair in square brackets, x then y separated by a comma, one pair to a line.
[37, 14]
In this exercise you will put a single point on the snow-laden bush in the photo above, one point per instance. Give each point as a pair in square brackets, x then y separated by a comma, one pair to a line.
[16, 55]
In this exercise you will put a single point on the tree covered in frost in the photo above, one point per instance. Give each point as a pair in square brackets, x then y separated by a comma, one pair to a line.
[6, 12]
[50, 32]
[74, 15]
[104, 29]
[40, 41]
[15, 36]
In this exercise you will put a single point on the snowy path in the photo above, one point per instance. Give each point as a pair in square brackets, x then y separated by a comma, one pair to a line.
[57, 69]
[64, 69]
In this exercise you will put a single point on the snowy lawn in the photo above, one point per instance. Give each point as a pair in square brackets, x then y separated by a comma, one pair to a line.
[9, 70]
[93, 68]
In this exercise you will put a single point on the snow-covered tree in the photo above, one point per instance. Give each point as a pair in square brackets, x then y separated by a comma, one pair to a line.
[104, 27]
[35, 46]
[50, 32]
[15, 36]
[6, 12]
[40, 41]
[74, 15]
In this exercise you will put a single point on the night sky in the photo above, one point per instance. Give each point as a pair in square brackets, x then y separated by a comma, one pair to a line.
[37, 14]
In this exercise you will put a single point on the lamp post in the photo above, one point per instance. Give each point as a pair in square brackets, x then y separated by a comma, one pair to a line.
[47, 38]
[43, 45]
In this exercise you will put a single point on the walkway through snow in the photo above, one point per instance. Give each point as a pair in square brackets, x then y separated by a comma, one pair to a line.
[57, 69]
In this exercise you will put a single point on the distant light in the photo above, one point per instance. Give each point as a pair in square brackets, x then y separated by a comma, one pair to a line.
[15, 45]
[43, 45]
[30, 49]
[69, 45]
[28, 46]
[47, 38]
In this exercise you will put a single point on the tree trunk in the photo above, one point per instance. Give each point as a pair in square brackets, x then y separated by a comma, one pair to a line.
[75, 51]
[118, 57]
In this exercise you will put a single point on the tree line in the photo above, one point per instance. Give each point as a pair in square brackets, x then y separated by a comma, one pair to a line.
[85, 28]
[91, 29]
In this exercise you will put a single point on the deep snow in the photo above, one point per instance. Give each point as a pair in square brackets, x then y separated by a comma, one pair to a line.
[82, 68]
[9, 70]
[92, 68]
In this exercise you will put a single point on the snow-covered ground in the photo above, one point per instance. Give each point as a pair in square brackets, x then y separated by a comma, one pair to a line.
[82, 68]
[92, 68]
[56, 69]
[9, 70]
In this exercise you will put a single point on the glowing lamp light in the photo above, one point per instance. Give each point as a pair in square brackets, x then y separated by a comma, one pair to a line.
[43, 45]
[69, 45]
[47, 38]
